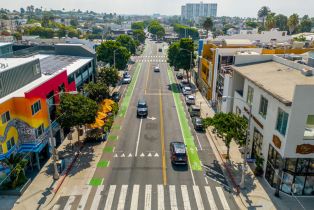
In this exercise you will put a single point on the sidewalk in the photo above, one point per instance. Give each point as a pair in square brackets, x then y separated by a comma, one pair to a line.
[257, 194]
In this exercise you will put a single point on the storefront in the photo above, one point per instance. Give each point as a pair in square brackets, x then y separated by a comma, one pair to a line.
[297, 173]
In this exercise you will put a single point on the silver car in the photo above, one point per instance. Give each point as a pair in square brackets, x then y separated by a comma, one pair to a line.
[190, 100]
[126, 79]
[186, 90]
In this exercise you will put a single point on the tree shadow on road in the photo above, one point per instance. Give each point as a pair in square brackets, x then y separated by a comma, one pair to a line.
[174, 88]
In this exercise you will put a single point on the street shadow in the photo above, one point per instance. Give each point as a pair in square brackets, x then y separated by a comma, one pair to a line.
[180, 167]
[174, 88]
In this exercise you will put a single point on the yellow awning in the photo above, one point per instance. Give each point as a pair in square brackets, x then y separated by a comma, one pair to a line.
[98, 123]
[101, 115]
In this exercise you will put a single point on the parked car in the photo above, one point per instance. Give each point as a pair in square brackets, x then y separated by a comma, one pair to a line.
[190, 100]
[179, 75]
[184, 83]
[126, 79]
[198, 124]
[156, 69]
[116, 96]
[178, 153]
[195, 111]
[186, 90]
[142, 109]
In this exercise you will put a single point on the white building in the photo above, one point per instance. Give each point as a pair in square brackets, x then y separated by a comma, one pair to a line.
[281, 94]
[193, 11]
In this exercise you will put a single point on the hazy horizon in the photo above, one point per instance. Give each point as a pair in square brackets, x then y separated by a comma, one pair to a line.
[168, 7]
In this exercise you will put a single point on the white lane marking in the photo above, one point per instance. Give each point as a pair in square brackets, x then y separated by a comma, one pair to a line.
[160, 198]
[149, 155]
[122, 197]
[206, 180]
[199, 143]
[222, 198]
[123, 155]
[56, 207]
[110, 197]
[173, 198]
[97, 197]
[198, 198]
[156, 155]
[84, 198]
[68, 205]
[130, 155]
[138, 137]
[142, 155]
[210, 198]
[115, 155]
[134, 200]
[148, 197]
[185, 197]
[191, 172]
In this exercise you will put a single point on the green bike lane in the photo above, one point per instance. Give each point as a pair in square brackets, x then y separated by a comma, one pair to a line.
[194, 160]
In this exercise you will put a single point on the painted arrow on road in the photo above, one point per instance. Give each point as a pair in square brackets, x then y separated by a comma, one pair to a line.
[151, 118]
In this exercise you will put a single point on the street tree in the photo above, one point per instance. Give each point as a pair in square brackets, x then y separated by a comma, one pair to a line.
[281, 22]
[137, 26]
[97, 91]
[262, 13]
[251, 24]
[127, 42]
[208, 25]
[270, 21]
[173, 52]
[76, 110]
[139, 35]
[156, 28]
[185, 58]
[229, 126]
[293, 23]
[108, 76]
[305, 24]
[107, 50]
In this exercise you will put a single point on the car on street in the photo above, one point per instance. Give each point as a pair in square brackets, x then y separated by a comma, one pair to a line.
[116, 96]
[194, 111]
[142, 109]
[179, 75]
[178, 153]
[126, 79]
[184, 83]
[198, 123]
[186, 90]
[156, 69]
[190, 100]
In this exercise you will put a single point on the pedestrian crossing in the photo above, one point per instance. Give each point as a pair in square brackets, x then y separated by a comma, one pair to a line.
[147, 197]
[152, 61]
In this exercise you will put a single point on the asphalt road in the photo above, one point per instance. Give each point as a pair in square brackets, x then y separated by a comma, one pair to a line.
[137, 173]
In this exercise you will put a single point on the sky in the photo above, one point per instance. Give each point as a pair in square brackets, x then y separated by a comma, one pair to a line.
[240, 8]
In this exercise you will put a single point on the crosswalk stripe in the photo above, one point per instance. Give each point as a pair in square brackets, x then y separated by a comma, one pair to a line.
[198, 197]
[222, 198]
[56, 207]
[84, 198]
[122, 197]
[161, 199]
[173, 198]
[135, 194]
[68, 205]
[110, 196]
[148, 197]
[210, 198]
[185, 196]
[97, 197]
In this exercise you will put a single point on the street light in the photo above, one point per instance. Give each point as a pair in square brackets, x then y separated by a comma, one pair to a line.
[54, 151]
[224, 98]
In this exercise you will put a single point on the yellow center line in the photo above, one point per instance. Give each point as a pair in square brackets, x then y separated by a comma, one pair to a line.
[162, 140]
[149, 66]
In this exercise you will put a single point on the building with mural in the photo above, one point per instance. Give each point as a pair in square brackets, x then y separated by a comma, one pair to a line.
[30, 84]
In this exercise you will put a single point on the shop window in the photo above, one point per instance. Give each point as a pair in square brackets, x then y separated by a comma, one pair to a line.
[309, 186]
[6, 117]
[250, 93]
[257, 143]
[302, 165]
[298, 185]
[291, 164]
[263, 107]
[309, 128]
[287, 180]
[282, 121]
[39, 131]
[311, 167]
[36, 107]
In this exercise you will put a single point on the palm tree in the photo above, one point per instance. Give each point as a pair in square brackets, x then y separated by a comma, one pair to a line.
[208, 25]
[262, 13]
[293, 23]
[270, 21]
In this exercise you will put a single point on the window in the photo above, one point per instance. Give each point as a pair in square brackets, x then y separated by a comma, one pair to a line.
[282, 121]
[250, 92]
[10, 143]
[61, 88]
[39, 131]
[71, 78]
[263, 107]
[36, 69]
[309, 128]
[5, 117]
[36, 107]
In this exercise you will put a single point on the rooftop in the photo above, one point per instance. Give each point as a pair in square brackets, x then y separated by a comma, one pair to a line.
[275, 78]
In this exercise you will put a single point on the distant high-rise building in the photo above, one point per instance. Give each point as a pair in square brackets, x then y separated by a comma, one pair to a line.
[195, 11]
